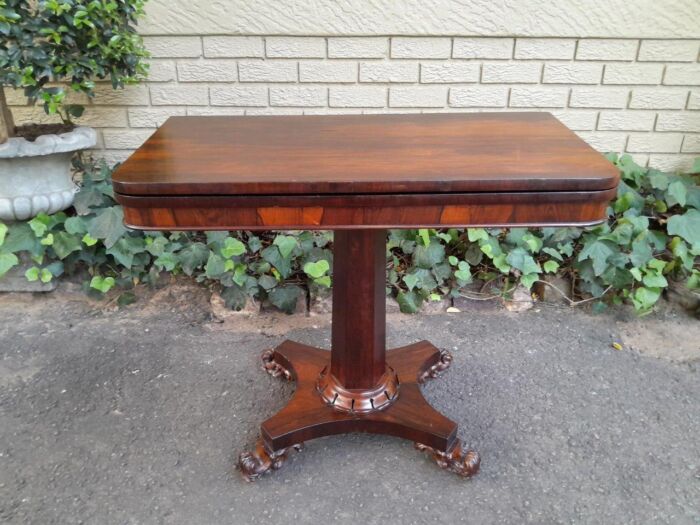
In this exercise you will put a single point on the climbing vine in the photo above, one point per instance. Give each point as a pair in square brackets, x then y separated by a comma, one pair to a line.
[652, 235]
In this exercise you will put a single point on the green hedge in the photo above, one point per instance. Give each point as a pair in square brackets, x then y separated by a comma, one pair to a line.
[652, 235]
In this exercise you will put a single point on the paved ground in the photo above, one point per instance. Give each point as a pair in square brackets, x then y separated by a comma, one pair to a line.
[136, 416]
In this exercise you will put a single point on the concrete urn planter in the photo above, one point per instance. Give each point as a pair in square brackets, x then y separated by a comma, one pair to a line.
[35, 177]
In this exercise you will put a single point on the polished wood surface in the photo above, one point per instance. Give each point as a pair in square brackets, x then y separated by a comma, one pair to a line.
[314, 212]
[351, 154]
[307, 416]
[359, 335]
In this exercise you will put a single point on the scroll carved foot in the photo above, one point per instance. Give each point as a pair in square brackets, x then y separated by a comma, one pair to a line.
[254, 464]
[434, 371]
[464, 463]
[272, 367]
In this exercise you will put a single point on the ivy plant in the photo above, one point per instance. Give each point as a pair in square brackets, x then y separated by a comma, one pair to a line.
[652, 236]
[50, 45]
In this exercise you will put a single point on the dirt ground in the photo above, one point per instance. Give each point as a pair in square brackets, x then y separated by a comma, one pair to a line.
[136, 415]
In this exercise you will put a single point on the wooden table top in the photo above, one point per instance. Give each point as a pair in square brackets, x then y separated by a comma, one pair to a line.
[363, 154]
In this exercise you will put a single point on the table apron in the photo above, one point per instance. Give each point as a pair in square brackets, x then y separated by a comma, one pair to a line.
[408, 210]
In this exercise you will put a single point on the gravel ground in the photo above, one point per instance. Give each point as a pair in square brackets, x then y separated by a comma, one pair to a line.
[137, 415]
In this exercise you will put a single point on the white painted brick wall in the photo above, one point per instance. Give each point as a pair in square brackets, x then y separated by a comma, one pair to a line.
[626, 120]
[545, 48]
[511, 73]
[403, 47]
[449, 72]
[234, 47]
[223, 70]
[489, 48]
[654, 142]
[358, 97]
[640, 95]
[358, 47]
[607, 49]
[668, 50]
[328, 71]
[418, 97]
[538, 97]
[295, 47]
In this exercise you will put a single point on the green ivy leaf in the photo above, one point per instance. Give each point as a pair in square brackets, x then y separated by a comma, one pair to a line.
[285, 297]
[686, 226]
[533, 243]
[48, 240]
[676, 193]
[658, 180]
[75, 225]
[125, 249]
[641, 250]
[427, 256]
[316, 269]
[282, 265]
[518, 258]
[268, 282]
[463, 273]
[108, 226]
[45, 276]
[3, 232]
[644, 298]
[500, 263]
[40, 224]
[477, 234]
[409, 302]
[32, 274]
[216, 265]
[425, 236]
[232, 248]
[324, 281]
[102, 284]
[285, 244]
[89, 241]
[598, 252]
[7, 261]
[553, 253]
[411, 280]
[21, 238]
[65, 244]
[192, 257]
[551, 266]
[166, 261]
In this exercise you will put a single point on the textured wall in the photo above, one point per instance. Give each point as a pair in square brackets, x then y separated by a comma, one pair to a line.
[640, 95]
[570, 18]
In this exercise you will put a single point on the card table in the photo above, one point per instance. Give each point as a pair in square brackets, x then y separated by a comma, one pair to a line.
[359, 175]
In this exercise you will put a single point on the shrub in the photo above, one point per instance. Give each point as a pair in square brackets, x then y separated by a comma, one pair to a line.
[652, 235]
[69, 42]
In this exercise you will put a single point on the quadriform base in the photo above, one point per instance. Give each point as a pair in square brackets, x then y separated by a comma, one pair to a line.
[310, 415]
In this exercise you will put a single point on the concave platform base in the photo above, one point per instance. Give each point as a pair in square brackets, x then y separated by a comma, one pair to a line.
[403, 413]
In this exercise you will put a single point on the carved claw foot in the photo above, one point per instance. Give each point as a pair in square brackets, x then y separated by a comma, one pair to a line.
[254, 464]
[272, 367]
[456, 460]
[438, 368]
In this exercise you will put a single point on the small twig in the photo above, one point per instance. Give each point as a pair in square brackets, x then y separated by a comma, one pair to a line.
[571, 301]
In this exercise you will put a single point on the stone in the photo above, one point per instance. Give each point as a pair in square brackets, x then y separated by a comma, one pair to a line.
[35, 177]
[521, 300]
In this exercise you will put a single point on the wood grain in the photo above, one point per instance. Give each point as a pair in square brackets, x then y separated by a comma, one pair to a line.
[310, 212]
[332, 154]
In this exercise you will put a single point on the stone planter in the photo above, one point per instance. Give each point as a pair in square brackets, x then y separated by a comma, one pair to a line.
[35, 177]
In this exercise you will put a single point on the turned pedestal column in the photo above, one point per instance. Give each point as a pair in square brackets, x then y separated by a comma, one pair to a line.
[358, 386]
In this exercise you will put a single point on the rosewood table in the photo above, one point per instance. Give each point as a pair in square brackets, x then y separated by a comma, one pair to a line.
[359, 175]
